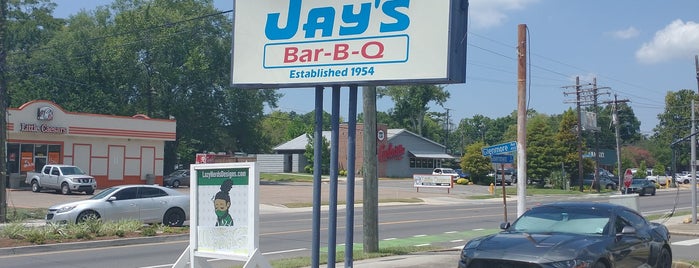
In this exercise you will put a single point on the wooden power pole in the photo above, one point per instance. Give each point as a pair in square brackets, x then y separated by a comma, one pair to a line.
[521, 120]
[370, 172]
[3, 111]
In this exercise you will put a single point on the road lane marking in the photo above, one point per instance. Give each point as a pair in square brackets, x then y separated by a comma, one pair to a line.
[690, 242]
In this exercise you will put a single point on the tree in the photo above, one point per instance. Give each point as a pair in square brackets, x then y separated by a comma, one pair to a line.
[310, 153]
[567, 144]
[673, 124]
[541, 156]
[411, 103]
[475, 163]
[162, 58]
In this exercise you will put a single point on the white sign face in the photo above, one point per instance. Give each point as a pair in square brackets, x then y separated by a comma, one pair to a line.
[300, 43]
[224, 208]
[443, 181]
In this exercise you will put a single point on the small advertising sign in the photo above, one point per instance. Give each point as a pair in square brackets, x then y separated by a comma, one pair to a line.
[224, 214]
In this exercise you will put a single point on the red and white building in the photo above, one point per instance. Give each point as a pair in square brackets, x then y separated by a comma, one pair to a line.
[113, 149]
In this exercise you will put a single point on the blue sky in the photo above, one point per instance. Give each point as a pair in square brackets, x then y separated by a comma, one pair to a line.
[639, 49]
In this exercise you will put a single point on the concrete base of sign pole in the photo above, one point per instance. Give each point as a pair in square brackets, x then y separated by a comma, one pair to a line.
[627, 200]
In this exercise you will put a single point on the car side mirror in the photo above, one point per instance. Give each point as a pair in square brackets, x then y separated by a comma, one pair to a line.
[627, 230]
[504, 225]
[112, 198]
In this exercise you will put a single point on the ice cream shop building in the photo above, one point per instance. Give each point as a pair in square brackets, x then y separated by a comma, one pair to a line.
[113, 149]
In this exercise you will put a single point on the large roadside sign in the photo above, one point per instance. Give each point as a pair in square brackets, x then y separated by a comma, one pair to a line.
[500, 148]
[306, 43]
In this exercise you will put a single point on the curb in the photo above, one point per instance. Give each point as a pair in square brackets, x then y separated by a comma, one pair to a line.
[91, 244]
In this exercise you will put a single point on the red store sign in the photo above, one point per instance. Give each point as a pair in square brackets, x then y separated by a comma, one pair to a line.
[390, 152]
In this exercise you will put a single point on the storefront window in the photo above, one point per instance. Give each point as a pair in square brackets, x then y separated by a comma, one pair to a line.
[22, 158]
[422, 162]
[13, 158]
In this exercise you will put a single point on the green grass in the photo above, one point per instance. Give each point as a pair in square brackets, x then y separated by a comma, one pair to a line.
[287, 177]
[23, 214]
[511, 191]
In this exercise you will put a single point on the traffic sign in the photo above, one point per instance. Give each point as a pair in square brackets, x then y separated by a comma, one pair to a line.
[500, 148]
[628, 176]
[502, 158]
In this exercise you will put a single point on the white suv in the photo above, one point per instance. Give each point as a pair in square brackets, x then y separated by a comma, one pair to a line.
[446, 171]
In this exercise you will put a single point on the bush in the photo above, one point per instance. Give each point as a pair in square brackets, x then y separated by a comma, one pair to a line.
[463, 181]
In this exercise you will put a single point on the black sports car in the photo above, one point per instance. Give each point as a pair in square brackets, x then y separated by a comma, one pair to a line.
[573, 234]
[641, 187]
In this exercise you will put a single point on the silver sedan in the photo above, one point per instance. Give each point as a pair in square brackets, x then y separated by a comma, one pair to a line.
[145, 203]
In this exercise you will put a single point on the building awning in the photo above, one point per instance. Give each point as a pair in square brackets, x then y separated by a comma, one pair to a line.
[430, 155]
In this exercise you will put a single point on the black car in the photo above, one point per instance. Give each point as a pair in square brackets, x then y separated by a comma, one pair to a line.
[640, 186]
[177, 178]
[462, 174]
[606, 182]
[573, 234]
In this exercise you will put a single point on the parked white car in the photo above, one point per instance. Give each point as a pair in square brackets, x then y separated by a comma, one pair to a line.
[446, 171]
[145, 203]
[684, 178]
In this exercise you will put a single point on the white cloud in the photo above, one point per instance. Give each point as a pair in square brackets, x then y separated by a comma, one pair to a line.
[491, 13]
[628, 33]
[676, 40]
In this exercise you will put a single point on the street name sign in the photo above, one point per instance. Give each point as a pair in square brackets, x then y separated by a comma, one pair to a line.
[502, 158]
[500, 148]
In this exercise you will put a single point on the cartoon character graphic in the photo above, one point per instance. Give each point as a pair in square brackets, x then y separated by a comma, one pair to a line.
[222, 202]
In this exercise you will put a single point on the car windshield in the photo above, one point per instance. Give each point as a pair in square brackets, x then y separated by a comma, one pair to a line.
[177, 173]
[72, 171]
[104, 193]
[562, 220]
[638, 181]
[448, 171]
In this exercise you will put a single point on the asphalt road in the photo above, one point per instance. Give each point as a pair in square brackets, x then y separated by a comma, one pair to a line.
[446, 220]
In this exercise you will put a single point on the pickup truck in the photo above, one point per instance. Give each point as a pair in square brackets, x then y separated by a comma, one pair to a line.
[62, 178]
[662, 180]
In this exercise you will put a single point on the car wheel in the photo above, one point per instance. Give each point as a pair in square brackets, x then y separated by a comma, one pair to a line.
[599, 264]
[685, 181]
[176, 184]
[174, 217]
[642, 192]
[89, 192]
[664, 259]
[652, 192]
[35, 186]
[87, 215]
[65, 189]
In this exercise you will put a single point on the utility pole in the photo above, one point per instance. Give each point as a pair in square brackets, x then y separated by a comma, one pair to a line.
[521, 120]
[584, 97]
[446, 133]
[579, 128]
[370, 173]
[3, 111]
[615, 121]
[693, 164]
[696, 64]
[596, 133]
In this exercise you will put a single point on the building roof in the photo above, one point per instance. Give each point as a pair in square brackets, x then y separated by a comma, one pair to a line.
[299, 143]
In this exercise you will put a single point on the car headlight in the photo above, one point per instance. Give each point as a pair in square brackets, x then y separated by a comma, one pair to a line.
[571, 263]
[65, 209]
